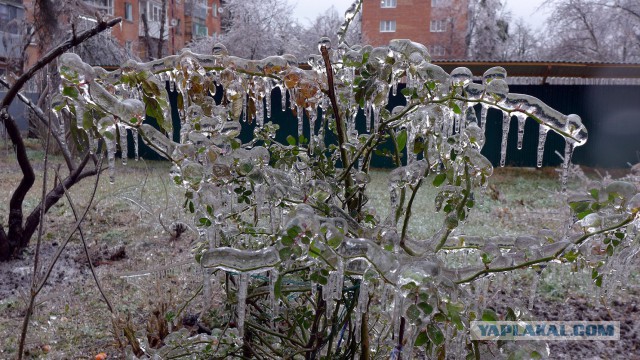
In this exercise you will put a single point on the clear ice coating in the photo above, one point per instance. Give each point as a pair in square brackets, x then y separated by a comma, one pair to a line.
[286, 219]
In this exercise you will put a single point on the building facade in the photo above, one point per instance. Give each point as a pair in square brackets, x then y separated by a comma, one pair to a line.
[12, 15]
[441, 25]
[142, 31]
[142, 23]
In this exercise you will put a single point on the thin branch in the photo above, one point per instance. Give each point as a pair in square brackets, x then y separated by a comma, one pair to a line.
[554, 256]
[55, 194]
[340, 128]
[84, 242]
[36, 259]
[36, 290]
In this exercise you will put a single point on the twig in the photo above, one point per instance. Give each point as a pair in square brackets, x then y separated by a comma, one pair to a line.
[37, 289]
[84, 244]
[36, 259]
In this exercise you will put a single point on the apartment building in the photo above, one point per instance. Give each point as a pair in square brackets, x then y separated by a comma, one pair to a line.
[441, 25]
[142, 23]
[12, 15]
[140, 33]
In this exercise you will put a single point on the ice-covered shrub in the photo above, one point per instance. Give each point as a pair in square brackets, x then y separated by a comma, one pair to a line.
[307, 268]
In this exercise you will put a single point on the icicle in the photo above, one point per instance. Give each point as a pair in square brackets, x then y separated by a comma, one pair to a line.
[521, 121]
[212, 235]
[484, 109]
[506, 118]
[111, 153]
[568, 151]
[313, 114]
[361, 308]
[242, 302]
[337, 286]
[376, 118]
[300, 113]
[245, 116]
[124, 147]
[367, 116]
[411, 138]
[398, 300]
[283, 97]
[329, 305]
[259, 111]
[542, 137]
[267, 90]
[273, 277]
[532, 291]
[410, 333]
[134, 132]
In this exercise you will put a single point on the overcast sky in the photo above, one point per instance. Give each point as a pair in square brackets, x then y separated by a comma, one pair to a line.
[306, 10]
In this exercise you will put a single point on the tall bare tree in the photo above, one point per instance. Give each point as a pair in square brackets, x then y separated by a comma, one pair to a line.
[488, 29]
[594, 30]
[259, 28]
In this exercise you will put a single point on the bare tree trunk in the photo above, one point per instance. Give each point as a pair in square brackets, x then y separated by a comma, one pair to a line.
[163, 15]
[147, 37]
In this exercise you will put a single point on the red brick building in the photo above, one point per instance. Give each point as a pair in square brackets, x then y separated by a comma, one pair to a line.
[184, 21]
[441, 25]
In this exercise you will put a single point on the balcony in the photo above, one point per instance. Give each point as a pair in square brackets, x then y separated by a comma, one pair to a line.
[195, 9]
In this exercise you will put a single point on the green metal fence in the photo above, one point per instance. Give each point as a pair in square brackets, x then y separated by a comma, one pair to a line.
[611, 113]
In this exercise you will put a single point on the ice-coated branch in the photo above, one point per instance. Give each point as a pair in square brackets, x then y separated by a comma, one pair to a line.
[54, 53]
[556, 250]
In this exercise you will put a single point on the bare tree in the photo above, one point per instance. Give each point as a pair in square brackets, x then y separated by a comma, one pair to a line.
[20, 230]
[488, 29]
[327, 25]
[52, 21]
[594, 30]
[522, 42]
[259, 28]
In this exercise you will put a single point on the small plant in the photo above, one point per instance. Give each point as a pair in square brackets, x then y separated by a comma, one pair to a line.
[309, 270]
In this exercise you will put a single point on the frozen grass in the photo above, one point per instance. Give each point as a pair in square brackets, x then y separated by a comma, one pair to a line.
[517, 201]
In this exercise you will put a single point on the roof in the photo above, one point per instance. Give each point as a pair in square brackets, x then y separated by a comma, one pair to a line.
[549, 69]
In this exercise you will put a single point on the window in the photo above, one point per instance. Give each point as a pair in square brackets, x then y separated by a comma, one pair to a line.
[438, 25]
[388, 26]
[214, 10]
[439, 3]
[436, 50]
[128, 45]
[128, 11]
[156, 12]
[199, 30]
[387, 3]
[105, 6]
[9, 18]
